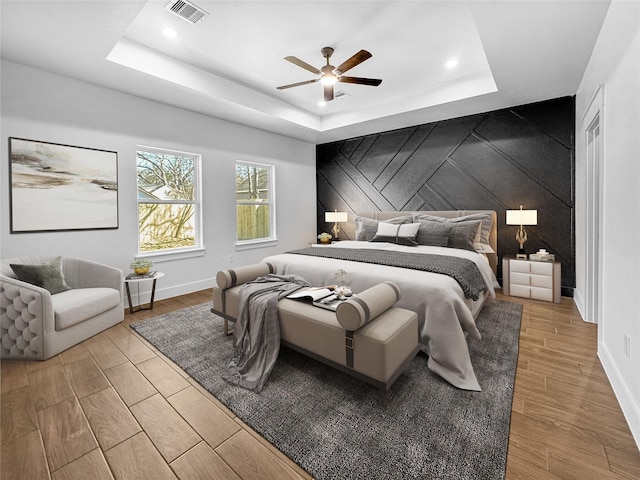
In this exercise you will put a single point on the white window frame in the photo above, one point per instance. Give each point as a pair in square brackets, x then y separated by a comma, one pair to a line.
[183, 252]
[266, 241]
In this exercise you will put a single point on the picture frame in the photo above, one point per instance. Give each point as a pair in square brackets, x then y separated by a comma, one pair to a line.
[57, 187]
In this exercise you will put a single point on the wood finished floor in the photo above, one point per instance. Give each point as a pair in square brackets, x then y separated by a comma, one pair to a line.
[114, 407]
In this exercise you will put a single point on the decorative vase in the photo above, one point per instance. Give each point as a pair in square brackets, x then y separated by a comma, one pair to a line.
[325, 240]
[141, 270]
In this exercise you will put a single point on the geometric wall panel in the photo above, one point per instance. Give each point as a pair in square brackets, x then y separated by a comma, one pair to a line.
[496, 160]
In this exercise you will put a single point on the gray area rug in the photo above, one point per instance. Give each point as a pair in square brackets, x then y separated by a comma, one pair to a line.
[336, 427]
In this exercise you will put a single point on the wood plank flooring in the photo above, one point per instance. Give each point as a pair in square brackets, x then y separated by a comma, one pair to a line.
[114, 407]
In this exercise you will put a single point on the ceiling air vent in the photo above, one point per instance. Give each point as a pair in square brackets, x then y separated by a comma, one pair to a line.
[186, 10]
[340, 94]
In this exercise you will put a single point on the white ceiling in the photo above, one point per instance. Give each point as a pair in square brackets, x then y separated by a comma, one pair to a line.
[228, 65]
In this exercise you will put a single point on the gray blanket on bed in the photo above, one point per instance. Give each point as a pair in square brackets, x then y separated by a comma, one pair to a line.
[257, 330]
[464, 271]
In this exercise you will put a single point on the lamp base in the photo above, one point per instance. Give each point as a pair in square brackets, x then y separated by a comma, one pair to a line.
[521, 256]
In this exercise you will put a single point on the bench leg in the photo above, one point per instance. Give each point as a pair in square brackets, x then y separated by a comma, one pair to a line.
[226, 327]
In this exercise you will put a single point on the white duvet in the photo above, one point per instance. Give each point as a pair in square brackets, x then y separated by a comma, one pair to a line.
[444, 314]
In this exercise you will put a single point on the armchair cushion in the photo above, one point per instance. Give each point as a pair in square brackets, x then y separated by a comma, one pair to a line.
[77, 305]
[48, 275]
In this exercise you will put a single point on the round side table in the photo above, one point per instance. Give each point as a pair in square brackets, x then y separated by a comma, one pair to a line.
[133, 278]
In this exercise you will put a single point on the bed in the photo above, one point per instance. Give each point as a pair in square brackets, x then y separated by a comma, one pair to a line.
[446, 308]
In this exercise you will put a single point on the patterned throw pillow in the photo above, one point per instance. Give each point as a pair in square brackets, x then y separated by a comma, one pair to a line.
[403, 234]
[366, 228]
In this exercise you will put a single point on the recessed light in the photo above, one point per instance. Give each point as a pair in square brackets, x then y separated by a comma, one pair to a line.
[322, 103]
[451, 63]
[169, 32]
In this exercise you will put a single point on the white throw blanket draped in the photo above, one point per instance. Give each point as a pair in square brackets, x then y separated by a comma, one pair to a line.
[257, 330]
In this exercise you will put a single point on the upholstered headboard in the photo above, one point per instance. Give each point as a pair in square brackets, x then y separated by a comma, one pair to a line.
[493, 235]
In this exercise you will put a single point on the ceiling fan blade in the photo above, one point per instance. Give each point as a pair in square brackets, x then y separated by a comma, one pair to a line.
[374, 82]
[305, 65]
[307, 82]
[328, 93]
[356, 59]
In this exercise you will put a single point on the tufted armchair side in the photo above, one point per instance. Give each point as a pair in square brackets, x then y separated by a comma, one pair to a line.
[80, 273]
[29, 328]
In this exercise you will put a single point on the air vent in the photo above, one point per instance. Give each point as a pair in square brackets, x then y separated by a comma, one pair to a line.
[186, 10]
[340, 94]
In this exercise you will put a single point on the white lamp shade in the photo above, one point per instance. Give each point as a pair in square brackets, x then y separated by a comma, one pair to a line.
[522, 217]
[335, 216]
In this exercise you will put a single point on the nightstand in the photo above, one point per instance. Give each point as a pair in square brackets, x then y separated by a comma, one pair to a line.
[530, 279]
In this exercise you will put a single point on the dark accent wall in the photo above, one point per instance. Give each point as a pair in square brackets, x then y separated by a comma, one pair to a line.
[496, 160]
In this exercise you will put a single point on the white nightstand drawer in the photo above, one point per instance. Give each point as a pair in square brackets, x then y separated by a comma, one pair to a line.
[520, 266]
[542, 281]
[528, 279]
[532, 292]
[518, 278]
[520, 291]
[542, 294]
[541, 268]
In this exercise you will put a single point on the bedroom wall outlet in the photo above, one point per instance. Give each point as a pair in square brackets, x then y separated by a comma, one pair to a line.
[231, 258]
[627, 345]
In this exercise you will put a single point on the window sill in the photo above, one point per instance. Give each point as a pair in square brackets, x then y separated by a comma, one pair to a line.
[250, 244]
[159, 257]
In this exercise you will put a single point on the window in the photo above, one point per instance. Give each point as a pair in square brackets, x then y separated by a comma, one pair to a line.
[255, 207]
[168, 200]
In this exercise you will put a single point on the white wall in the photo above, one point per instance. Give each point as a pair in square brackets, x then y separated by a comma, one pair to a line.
[42, 106]
[615, 63]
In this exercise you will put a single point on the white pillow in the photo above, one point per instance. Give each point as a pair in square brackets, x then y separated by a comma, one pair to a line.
[404, 234]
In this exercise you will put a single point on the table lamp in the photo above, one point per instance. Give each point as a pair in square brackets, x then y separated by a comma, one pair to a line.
[335, 217]
[522, 217]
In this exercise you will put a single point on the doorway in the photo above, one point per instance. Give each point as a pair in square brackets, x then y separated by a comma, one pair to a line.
[593, 132]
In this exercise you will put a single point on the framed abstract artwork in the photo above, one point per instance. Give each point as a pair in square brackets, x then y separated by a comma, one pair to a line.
[58, 187]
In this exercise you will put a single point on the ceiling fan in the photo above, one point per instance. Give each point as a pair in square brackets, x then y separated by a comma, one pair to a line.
[330, 75]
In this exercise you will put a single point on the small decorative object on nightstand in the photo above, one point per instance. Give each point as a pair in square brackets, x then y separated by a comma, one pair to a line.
[324, 238]
[539, 280]
[542, 256]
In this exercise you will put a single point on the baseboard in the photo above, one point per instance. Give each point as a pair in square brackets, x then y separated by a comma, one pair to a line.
[630, 409]
[578, 299]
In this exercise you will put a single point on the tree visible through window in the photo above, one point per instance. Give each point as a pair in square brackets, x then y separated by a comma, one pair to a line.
[168, 203]
[254, 202]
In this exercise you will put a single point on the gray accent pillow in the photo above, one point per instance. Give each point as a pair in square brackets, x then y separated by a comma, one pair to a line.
[366, 228]
[483, 233]
[435, 234]
[48, 275]
[462, 235]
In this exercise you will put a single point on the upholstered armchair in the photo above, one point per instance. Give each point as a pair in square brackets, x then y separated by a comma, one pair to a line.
[36, 324]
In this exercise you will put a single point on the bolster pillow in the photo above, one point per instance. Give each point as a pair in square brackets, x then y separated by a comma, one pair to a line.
[355, 312]
[237, 276]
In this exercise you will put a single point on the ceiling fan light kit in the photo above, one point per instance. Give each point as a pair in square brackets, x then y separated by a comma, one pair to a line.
[329, 75]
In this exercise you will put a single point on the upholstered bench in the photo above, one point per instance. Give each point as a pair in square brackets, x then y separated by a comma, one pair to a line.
[366, 337]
